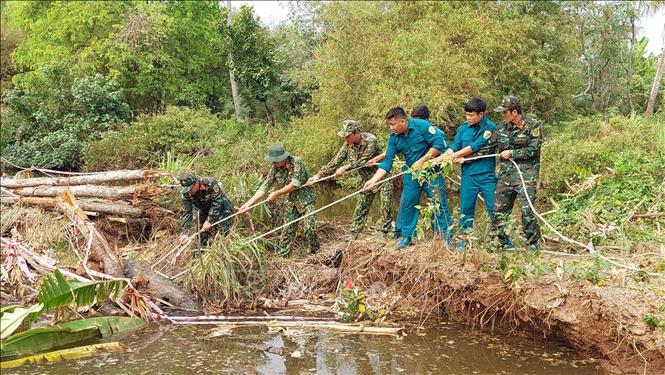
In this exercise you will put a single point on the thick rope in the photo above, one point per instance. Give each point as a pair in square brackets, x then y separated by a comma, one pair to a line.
[589, 247]
[320, 209]
[178, 250]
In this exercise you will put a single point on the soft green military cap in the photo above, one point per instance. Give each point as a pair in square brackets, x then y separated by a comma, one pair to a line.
[348, 127]
[186, 180]
[276, 153]
[508, 103]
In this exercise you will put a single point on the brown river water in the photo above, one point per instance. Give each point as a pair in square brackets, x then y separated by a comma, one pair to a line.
[441, 349]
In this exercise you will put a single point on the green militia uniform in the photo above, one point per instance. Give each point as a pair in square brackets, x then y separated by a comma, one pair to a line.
[357, 156]
[524, 143]
[300, 202]
[212, 205]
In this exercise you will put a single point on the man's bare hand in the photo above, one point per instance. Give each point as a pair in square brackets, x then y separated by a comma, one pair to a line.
[274, 195]
[340, 171]
[505, 154]
[206, 226]
[369, 185]
[312, 180]
[183, 239]
[418, 165]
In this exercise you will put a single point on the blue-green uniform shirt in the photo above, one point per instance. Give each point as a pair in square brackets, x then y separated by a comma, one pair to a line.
[478, 137]
[419, 138]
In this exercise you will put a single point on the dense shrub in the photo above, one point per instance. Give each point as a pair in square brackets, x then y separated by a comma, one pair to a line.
[50, 123]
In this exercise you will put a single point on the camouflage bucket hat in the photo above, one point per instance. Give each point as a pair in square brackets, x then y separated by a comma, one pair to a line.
[186, 180]
[508, 103]
[276, 153]
[348, 127]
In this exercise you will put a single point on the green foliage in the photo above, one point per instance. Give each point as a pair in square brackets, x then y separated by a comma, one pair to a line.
[57, 292]
[160, 53]
[50, 121]
[608, 170]
[352, 304]
[227, 268]
[518, 266]
[657, 320]
[47, 338]
[147, 140]
[588, 269]
[13, 318]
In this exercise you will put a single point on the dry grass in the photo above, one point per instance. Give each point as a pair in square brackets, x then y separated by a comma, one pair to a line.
[42, 229]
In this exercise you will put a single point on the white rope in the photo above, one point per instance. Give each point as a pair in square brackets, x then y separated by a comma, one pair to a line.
[178, 250]
[47, 171]
[589, 247]
[320, 209]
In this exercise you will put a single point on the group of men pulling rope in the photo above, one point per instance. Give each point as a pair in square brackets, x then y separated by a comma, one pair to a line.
[517, 142]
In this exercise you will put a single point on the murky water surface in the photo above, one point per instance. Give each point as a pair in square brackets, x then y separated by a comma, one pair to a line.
[444, 349]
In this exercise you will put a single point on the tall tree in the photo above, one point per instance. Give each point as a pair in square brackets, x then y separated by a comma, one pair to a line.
[234, 84]
[654, 6]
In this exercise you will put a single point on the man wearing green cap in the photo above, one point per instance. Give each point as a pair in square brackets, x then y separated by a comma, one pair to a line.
[289, 171]
[519, 138]
[208, 197]
[357, 150]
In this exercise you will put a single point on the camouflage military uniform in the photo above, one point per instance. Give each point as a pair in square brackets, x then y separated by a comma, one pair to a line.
[300, 202]
[524, 140]
[212, 205]
[357, 156]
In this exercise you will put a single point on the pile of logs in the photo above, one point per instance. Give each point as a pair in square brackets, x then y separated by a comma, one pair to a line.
[93, 192]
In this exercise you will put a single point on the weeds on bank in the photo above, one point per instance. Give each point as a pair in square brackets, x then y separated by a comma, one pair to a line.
[657, 320]
[352, 304]
[518, 266]
[225, 270]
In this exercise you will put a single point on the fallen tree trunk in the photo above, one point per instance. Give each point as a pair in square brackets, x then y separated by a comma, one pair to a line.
[92, 191]
[124, 175]
[113, 265]
[99, 206]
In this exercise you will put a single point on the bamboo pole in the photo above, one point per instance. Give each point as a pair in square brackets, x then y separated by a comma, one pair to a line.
[329, 325]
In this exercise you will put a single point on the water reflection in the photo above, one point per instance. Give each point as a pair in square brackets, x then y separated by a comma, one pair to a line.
[441, 350]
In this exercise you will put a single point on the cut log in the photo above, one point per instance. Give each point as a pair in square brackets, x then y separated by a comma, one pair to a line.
[124, 175]
[113, 265]
[99, 206]
[161, 287]
[91, 191]
[100, 249]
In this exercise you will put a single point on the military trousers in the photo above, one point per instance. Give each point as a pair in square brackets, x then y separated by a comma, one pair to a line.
[364, 204]
[504, 199]
[294, 211]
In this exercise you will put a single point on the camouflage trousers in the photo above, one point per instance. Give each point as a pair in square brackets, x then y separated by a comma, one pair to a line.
[364, 203]
[504, 199]
[293, 212]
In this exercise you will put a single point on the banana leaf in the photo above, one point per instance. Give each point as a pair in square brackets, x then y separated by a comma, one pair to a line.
[57, 292]
[43, 339]
[65, 354]
[13, 318]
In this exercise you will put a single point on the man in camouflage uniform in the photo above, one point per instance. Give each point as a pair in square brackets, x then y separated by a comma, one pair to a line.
[357, 150]
[289, 171]
[208, 197]
[519, 138]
